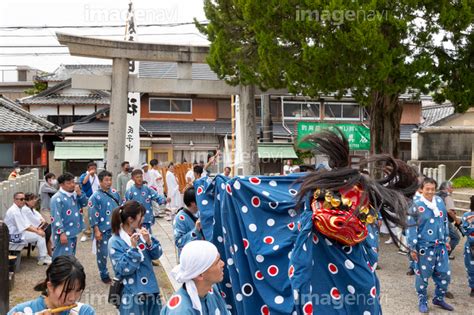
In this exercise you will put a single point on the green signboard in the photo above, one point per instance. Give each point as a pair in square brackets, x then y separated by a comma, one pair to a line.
[357, 135]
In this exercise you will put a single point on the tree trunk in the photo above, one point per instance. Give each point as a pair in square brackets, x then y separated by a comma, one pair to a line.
[385, 115]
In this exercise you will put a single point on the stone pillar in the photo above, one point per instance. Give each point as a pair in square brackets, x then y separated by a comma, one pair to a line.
[267, 127]
[414, 146]
[441, 173]
[435, 175]
[247, 113]
[118, 115]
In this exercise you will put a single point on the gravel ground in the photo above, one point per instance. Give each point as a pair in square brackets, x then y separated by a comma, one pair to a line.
[398, 292]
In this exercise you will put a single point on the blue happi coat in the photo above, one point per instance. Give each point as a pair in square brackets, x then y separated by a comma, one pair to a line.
[180, 304]
[101, 206]
[66, 217]
[136, 273]
[144, 195]
[185, 230]
[427, 234]
[37, 305]
[468, 257]
[100, 209]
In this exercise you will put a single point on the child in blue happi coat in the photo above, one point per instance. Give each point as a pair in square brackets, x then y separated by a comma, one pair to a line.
[131, 250]
[144, 195]
[187, 225]
[66, 215]
[468, 227]
[101, 205]
[65, 281]
[428, 240]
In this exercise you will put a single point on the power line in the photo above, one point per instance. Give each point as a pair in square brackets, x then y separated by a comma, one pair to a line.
[39, 27]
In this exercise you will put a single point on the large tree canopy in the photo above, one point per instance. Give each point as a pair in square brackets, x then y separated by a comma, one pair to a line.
[375, 50]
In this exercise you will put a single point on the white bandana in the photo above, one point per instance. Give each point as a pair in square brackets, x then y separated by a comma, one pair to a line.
[69, 194]
[196, 257]
[432, 205]
[126, 238]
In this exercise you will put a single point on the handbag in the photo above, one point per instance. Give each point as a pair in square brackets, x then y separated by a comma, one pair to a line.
[115, 292]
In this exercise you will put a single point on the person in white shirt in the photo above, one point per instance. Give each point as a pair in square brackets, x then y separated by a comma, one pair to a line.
[19, 226]
[173, 189]
[288, 168]
[36, 218]
[146, 174]
[156, 178]
[157, 183]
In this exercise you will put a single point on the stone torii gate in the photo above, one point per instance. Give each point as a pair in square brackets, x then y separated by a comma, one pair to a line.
[119, 83]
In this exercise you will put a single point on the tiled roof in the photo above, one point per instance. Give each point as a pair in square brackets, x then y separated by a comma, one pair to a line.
[434, 113]
[52, 96]
[169, 70]
[173, 127]
[15, 119]
[64, 72]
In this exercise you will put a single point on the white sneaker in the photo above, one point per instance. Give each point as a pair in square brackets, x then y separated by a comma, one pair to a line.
[44, 261]
[83, 238]
[389, 241]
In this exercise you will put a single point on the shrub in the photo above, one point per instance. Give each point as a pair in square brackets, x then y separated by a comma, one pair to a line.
[463, 182]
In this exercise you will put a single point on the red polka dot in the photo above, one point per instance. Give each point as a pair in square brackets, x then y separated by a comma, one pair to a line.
[421, 209]
[308, 308]
[246, 243]
[228, 189]
[264, 310]
[441, 214]
[315, 239]
[68, 212]
[89, 204]
[174, 302]
[272, 270]
[59, 231]
[291, 225]
[52, 219]
[335, 294]
[211, 291]
[97, 214]
[256, 201]
[200, 190]
[291, 271]
[332, 268]
[81, 211]
[373, 292]
[269, 240]
[259, 275]
[223, 295]
[181, 217]
[141, 246]
[255, 180]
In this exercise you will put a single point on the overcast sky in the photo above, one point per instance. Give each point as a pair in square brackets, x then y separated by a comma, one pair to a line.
[84, 12]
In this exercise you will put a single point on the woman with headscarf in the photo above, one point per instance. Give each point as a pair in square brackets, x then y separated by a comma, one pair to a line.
[199, 270]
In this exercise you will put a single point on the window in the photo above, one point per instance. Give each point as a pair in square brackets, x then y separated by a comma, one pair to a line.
[340, 111]
[6, 158]
[27, 153]
[301, 110]
[173, 105]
